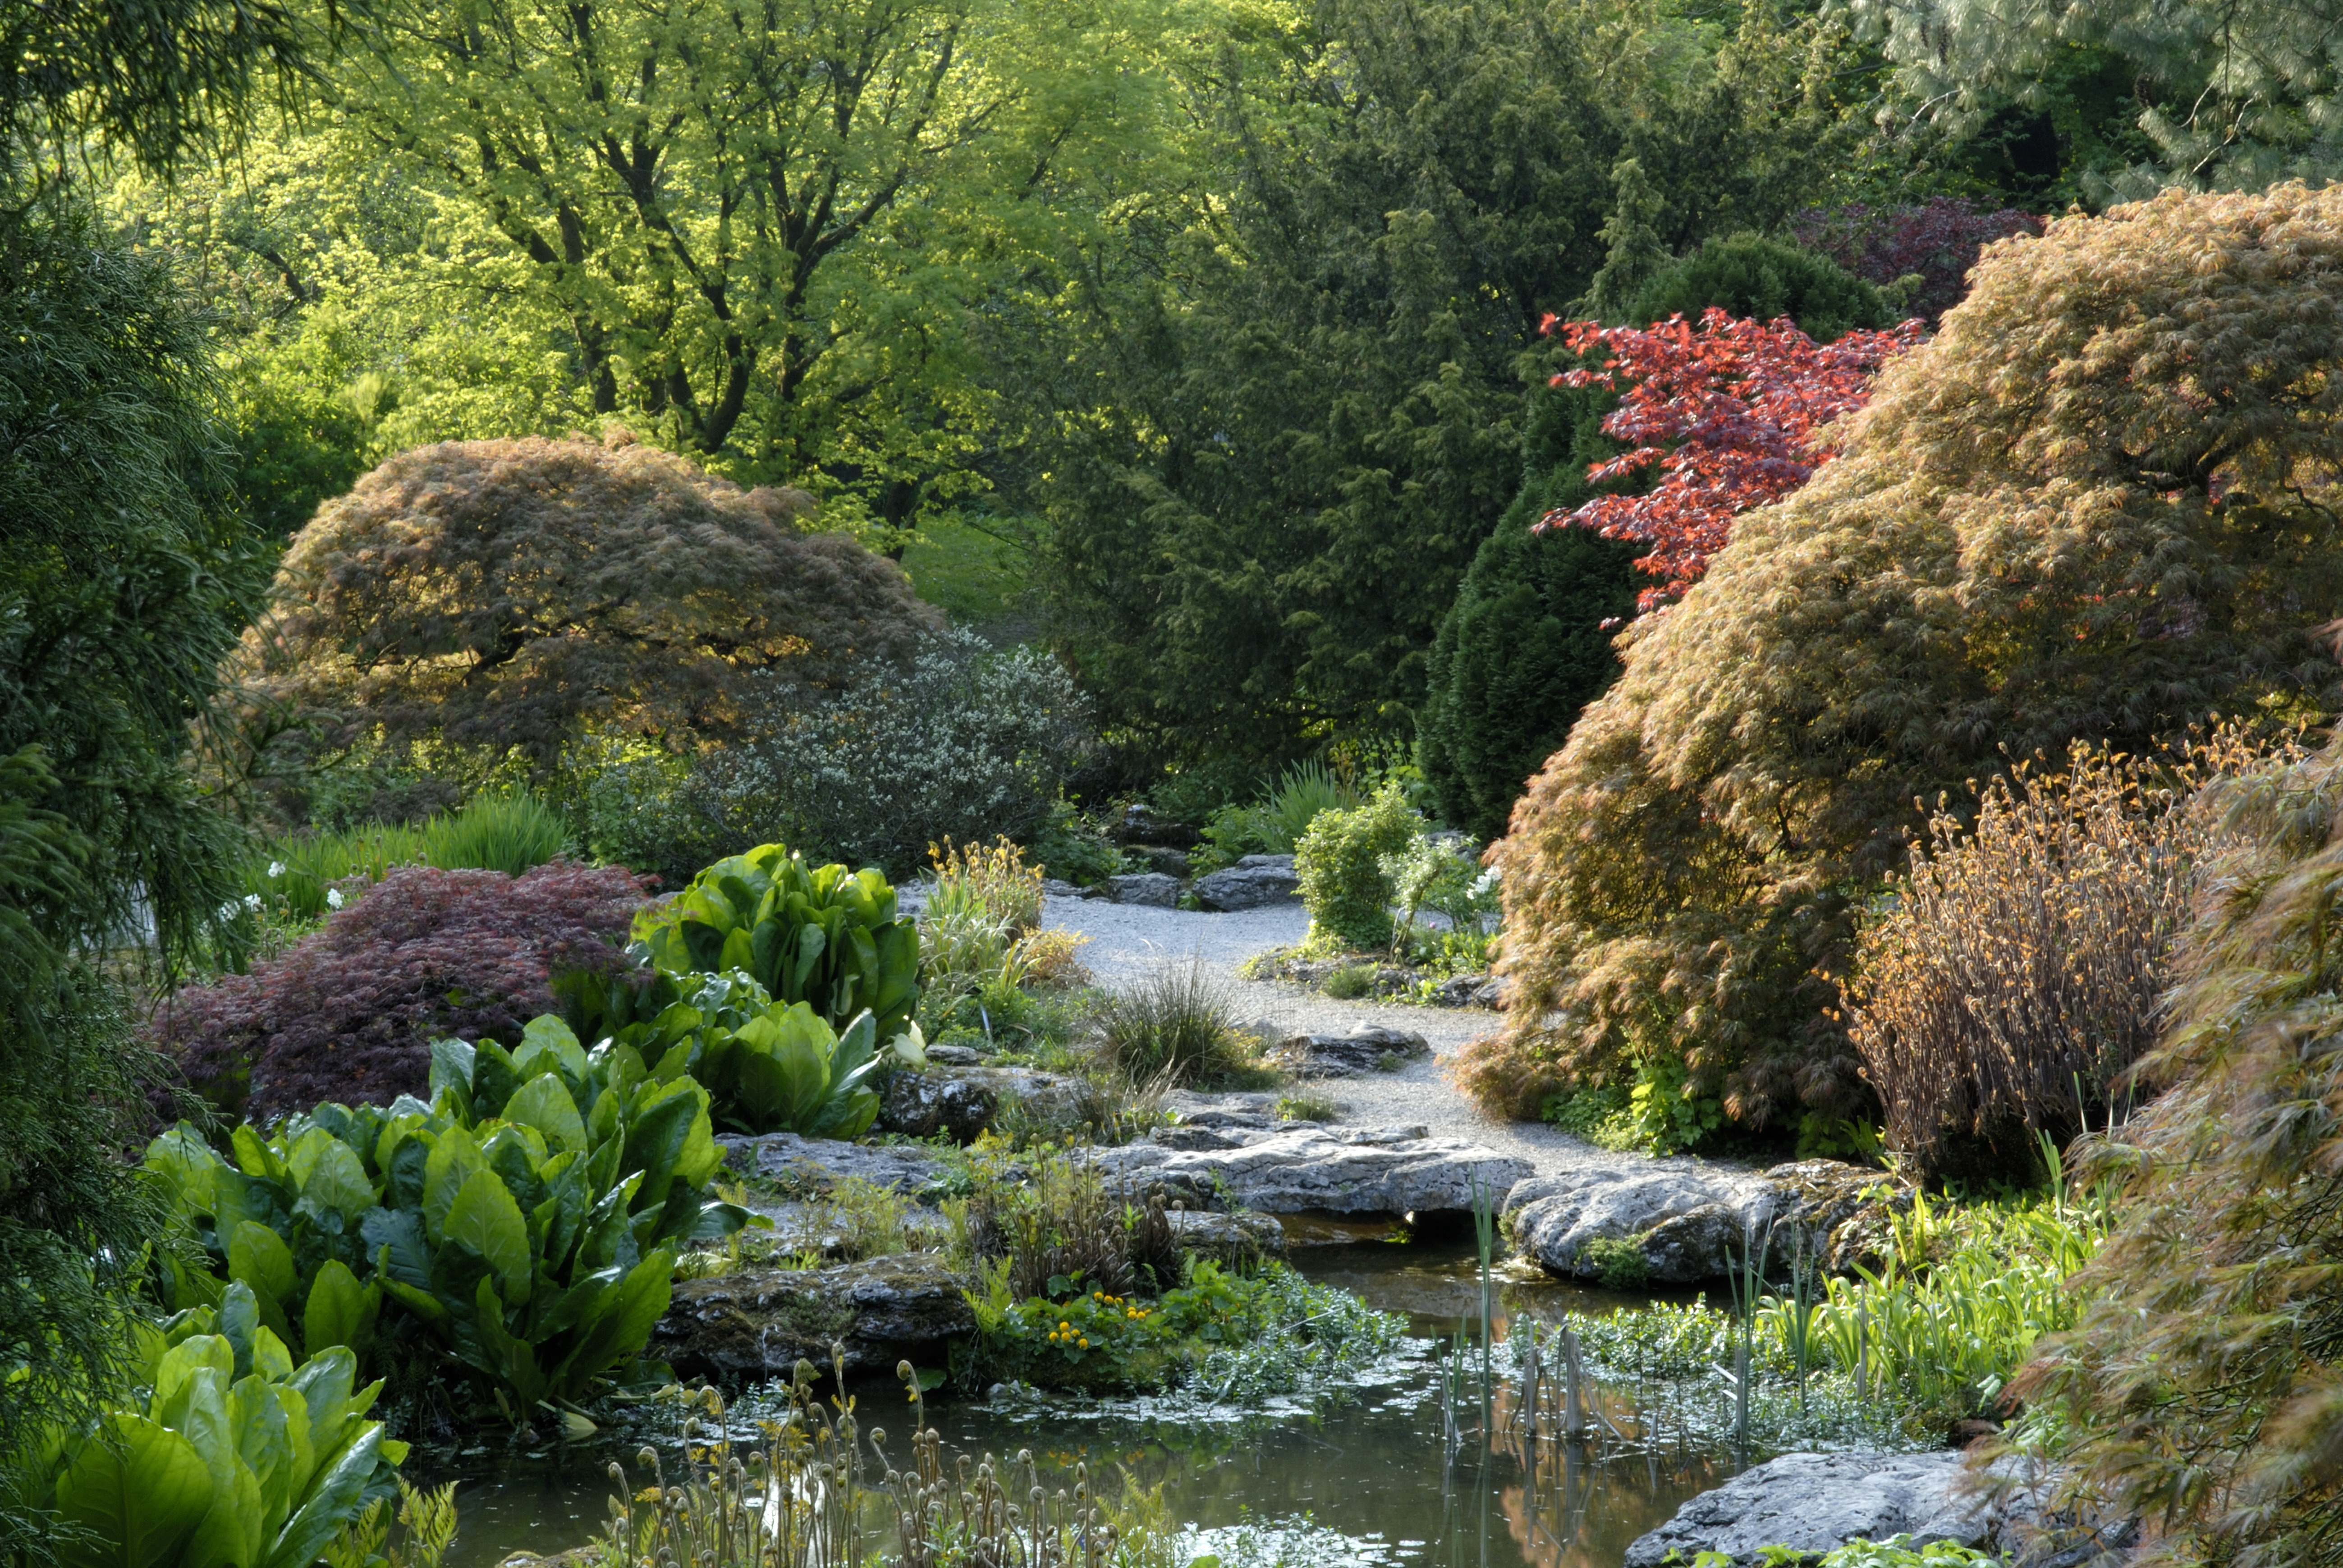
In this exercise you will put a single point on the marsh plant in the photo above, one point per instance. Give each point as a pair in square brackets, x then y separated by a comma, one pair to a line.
[813, 1490]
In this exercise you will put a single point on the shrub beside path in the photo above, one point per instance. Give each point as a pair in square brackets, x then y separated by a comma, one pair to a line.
[1129, 939]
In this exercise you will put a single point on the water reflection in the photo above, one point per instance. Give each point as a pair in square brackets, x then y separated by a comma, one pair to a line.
[1374, 1477]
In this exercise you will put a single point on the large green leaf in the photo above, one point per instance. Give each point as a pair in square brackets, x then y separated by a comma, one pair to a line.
[258, 1256]
[330, 1177]
[455, 1159]
[621, 1324]
[484, 1217]
[341, 1311]
[235, 1531]
[332, 1498]
[545, 1103]
[136, 1493]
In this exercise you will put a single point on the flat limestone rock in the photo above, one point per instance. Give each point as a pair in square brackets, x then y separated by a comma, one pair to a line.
[1307, 1167]
[753, 1326]
[963, 1100]
[1252, 883]
[815, 1165]
[1692, 1223]
[1155, 889]
[1812, 1502]
[1368, 1048]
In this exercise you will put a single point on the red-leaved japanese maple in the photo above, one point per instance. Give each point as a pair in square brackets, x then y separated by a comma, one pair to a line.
[1730, 413]
[1938, 241]
[350, 1012]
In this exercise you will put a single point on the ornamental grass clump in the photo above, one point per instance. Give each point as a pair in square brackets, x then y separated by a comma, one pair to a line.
[2199, 1390]
[2102, 504]
[2007, 985]
[1175, 1023]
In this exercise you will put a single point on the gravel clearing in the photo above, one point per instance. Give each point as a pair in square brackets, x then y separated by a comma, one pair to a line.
[1129, 939]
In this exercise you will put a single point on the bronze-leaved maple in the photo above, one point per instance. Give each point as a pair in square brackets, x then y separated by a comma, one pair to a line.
[2102, 503]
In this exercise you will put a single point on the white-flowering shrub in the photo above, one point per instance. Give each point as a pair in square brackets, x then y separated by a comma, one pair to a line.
[960, 741]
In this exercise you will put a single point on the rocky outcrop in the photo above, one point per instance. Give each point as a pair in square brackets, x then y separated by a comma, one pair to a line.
[813, 1165]
[1692, 1222]
[1303, 1168]
[1255, 881]
[1232, 1239]
[1812, 1502]
[963, 1102]
[1368, 1048]
[752, 1326]
[1155, 888]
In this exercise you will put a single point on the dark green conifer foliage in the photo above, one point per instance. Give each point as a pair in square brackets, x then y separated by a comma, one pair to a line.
[1524, 646]
[1748, 275]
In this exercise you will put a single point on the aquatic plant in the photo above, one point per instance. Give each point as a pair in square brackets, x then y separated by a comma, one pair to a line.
[823, 935]
[1223, 1336]
[223, 1452]
[521, 1230]
[801, 1497]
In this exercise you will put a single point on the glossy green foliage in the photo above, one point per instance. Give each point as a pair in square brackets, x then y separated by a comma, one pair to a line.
[1747, 275]
[767, 1066]
[523, 1225]
[227, 1456]
[827, 937]
[784, 1070]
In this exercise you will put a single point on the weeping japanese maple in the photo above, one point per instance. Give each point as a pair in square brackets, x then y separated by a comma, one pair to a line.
[2101, 504]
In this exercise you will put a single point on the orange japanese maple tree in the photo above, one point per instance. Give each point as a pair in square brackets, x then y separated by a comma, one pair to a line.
[1729, 412]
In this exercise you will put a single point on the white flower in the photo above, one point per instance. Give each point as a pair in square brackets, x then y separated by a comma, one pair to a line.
[333, 897]
[252, 902]
[227, 911]
[276, 869]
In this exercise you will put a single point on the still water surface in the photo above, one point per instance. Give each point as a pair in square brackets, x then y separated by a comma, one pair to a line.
[1368, 1482]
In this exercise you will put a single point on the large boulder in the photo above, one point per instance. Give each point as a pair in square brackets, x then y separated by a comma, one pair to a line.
[1255, 881]
[1368, 1048]
[1812, 1502]
[1157, 889]
[1232, 1240]
[963, 1102]
[1311, 1168]
[752, 1326]
[1691, 1222]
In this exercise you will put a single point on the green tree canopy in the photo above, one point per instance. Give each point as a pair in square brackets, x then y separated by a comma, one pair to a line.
[1284, 433]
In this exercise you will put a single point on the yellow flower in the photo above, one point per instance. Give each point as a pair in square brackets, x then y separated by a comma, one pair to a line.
[1086, 1344]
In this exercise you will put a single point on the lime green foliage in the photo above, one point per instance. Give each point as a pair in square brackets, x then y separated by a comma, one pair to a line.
[1274, 823]
[784, 1070]
[1306, 1108]
[1929, 1335]
[1339, 860]
[226, 1455]
[296, 878]
[1263, 1334]
[1749, 276]
[510, 833]
[1619, 1261]
[1663, 1112]
[1349, 982]
[827, 937]
[767, 1066]
[976, 576]
[522, 1226]
[1896, 1552]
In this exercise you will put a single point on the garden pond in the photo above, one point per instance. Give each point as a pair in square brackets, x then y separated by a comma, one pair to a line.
[1384, 1474]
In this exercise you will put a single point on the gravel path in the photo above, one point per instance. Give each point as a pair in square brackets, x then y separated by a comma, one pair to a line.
[1129, 939]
